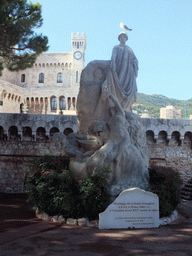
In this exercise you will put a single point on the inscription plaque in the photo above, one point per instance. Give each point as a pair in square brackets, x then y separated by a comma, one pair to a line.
[133, 208]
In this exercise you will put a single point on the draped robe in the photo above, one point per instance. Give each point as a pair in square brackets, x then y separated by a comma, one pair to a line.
[121, 78]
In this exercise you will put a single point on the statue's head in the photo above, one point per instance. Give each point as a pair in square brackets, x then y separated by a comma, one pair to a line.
[122, 34]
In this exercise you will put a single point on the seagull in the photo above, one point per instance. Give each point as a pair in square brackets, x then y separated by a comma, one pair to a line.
[124, 27]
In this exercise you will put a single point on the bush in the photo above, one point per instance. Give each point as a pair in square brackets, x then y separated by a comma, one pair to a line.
[95, 196]
[53, 189]
[56, 191]
[165, 182]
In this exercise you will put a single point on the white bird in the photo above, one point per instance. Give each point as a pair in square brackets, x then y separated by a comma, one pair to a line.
[124, 27]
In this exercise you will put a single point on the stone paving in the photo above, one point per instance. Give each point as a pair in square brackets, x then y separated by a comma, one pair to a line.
[46, 238]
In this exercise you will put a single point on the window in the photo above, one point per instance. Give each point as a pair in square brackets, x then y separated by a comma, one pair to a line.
[41, 78]
[21, 107]
[53, 130]
[69, 103]
[26, 131]
[62, 103]
[53, 103]
[1, 133]
[67, 131]
[40, 134]
[60, 78]
[22, 78]
[73, 102]
[77, 45]
[76, 76]
[13, 133]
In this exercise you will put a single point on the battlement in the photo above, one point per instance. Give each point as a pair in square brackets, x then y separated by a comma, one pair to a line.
[78, 36]
[78, 41]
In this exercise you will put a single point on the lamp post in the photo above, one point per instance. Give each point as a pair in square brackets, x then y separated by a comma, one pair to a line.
[185, 109]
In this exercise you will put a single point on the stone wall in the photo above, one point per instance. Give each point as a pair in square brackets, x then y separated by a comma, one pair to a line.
[170, 143]
[23, 136]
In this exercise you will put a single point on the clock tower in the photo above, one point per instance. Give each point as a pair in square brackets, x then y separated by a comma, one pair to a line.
[78, 50]
[78, 55]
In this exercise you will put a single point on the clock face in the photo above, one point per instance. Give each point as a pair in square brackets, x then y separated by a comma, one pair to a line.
[77, 55]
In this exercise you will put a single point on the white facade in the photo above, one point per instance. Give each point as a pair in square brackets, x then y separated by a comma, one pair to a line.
[51, 86]
[169, 112]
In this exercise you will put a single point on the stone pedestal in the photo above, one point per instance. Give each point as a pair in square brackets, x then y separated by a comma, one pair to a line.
[133, 208]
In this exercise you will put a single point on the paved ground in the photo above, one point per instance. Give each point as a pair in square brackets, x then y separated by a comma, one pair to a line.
[45, 238]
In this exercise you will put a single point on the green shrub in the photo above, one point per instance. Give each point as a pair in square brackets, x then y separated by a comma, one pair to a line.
[165, 182]
[53, 189]
[94, 193]
[56, 191]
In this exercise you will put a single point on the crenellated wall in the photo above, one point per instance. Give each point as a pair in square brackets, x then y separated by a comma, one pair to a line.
[23, 136]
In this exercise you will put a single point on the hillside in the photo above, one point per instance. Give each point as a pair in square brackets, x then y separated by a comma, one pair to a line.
[153, 103]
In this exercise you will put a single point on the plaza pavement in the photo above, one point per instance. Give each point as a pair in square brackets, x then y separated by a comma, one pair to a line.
[46, 238]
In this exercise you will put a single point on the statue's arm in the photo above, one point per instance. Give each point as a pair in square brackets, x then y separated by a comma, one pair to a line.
[135, 65]
[113, 57]
[117, 105]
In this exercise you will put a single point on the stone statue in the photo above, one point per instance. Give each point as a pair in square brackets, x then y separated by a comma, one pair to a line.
[118, 154]
[122, 74]
[118, 75]
[109, 135]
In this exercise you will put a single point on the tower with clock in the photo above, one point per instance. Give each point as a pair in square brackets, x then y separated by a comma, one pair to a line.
[78, 55]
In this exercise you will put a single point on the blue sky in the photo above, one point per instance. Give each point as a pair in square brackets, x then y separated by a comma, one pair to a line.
[161, 37]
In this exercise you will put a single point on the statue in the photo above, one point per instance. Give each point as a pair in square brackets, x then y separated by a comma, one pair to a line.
[118, 75]
[109, 135]
[117, 154]
[122, 74]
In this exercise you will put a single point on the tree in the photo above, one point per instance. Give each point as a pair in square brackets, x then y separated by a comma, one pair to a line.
[19, 44]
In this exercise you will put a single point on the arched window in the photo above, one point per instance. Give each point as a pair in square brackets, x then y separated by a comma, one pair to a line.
[62, 103]
[13, 133]
[27, 133]
[77, 45]
[41, 78]
[1, 133]
[162, 137]
[150, 137]
[40, 134]
[69, 103]
[22, 78]
[53, 130]
[175, 138]
[76, 76]
[60, 78]
[73, 102]
[21, 108]
[187, 139]
[67, 131]
[53, 103]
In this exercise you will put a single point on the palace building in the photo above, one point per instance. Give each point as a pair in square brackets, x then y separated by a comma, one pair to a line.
[51, 86]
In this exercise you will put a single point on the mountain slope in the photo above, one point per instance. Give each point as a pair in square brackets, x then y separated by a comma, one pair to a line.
[153, 103]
